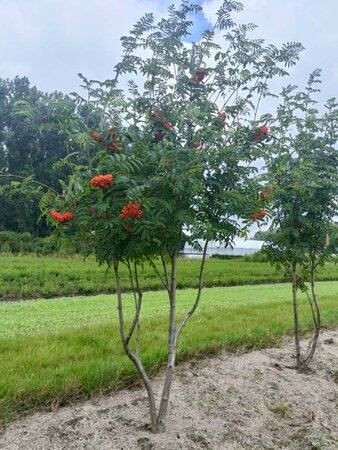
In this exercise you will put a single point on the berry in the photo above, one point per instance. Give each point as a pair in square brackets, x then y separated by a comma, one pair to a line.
[96, 136]
[258, 215]
[113, 148]
[132, 209]
[159, 136]
[61, 217]
[102, 181]
[167, 125]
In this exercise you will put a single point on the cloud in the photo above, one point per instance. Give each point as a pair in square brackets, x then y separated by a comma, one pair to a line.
[50, 41]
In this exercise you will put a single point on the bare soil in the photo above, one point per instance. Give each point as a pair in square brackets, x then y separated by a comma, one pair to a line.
[254, 400]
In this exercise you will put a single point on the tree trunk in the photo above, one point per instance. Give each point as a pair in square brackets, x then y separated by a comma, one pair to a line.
[162, 415]
[174, 335]
[314, 340]
[131, 355]
[295, 316]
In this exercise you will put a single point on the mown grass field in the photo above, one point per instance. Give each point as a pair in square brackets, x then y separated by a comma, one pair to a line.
[55, 351]
[33, 277]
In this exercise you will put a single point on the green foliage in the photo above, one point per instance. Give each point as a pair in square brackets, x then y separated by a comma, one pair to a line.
[30, 276]
[258, 257]
[25, 243]
[34, 129]
[11, 242]
[302, 172]
[181, 142]
[49, 356]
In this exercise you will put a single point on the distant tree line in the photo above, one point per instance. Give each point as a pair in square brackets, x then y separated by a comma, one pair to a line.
[32, 147]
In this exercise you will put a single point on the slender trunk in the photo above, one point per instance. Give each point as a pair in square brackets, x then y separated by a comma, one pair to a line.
[173, 337]
[314, 340]
[295, 316]
[162, 415]
[131, 355]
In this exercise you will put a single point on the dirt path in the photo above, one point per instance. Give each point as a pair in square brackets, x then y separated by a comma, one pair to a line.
[250, 401]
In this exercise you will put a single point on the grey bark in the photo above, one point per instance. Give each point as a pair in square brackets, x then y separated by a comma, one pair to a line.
[295, 316]
[317, 319]
[131, 355]
[158, 422]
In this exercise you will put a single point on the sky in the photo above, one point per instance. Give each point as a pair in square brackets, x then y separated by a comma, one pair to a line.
[50, 41]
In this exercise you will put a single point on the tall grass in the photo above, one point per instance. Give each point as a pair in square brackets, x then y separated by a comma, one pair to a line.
[55, 351]
[30, 276]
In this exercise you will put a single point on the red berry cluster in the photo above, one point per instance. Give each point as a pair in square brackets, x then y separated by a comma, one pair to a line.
[260, 134]
[259, 215]
[132, 209]
[96, 136]
[159, 136]
[161, 124]
[219, 121]
[61, 217]
[113, 148]
[102, 181]
[108, 137]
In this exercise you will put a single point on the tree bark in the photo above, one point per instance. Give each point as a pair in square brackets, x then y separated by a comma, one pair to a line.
[317, 321]
[173, 338]
[131, 355]
[295, 316]
[162, 415]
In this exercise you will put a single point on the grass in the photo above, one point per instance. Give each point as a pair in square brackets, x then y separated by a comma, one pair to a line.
[54, 351]
[46, 277]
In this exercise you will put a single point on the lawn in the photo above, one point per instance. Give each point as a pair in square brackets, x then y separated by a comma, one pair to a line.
[33, 277]
[55, 351]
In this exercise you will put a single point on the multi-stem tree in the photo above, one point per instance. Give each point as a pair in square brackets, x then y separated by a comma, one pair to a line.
[302, 172]
[173, 160]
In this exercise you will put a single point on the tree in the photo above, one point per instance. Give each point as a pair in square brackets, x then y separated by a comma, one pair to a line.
[302, 174]
[32, 140]
[173, 160]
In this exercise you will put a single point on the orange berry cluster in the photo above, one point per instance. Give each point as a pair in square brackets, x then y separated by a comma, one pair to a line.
[61, 217]
[132, 209]
[102, 181]
[260, 134]
[97, 137]
[258, 215]
[113, 148]
[109, 137]
[161, 123]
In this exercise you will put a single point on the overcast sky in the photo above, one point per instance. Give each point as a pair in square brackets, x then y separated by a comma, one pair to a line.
[50, 41]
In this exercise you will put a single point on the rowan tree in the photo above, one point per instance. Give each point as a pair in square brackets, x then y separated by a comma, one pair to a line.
[174, 158]
[302, 176]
